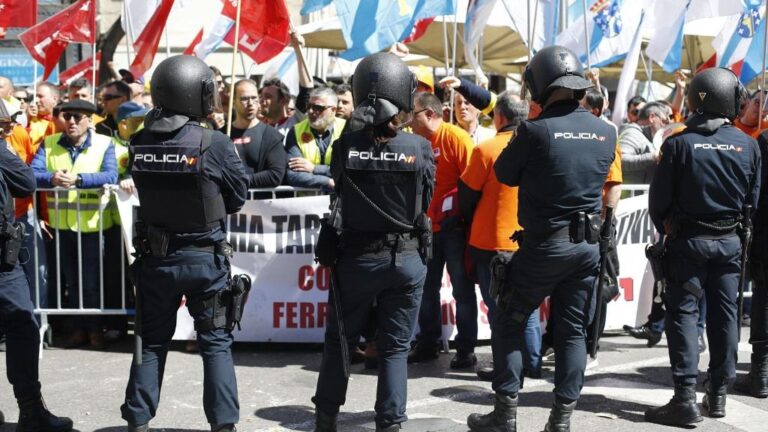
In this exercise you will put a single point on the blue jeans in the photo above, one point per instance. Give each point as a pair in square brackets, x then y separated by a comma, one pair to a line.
[711, 267]
[396, 285]
[532, 335]
[448, 250]
[161, 283]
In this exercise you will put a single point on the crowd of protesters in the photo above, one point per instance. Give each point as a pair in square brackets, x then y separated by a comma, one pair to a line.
[287, 139]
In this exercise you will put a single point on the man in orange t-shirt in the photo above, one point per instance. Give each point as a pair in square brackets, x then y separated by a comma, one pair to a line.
[452, 147]
[492, 209]
[748, 122]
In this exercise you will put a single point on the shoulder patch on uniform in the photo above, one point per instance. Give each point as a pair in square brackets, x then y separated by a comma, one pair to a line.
[702, 95]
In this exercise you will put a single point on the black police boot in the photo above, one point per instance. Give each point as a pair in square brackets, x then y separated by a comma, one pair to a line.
[35, 417]
[755, 383]
[645, 332]
[224, 428]
[138, 428]
[714, 400]
[503, 418]
[680, 411]
[324, 422]
[463, 360]
[560, 417]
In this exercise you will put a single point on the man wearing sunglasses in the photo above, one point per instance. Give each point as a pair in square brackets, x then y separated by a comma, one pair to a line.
[112, 96]
[16, 310]
[309, 142]
[74, 159]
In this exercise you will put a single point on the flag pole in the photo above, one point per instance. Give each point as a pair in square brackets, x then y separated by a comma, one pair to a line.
[445, 45]
[453, 65]
[586, 34]
[93, 53]
[762, 79]
[128, 34]
[234, 64]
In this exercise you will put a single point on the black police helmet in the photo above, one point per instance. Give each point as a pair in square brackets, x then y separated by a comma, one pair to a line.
[551, 68]
[184, 85]
[715, 91]
[383, 85]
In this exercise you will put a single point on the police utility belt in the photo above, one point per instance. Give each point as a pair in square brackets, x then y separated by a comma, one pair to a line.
[686, 227]
[228, 305]
[357, 243]
[583, 227]
[11, 238]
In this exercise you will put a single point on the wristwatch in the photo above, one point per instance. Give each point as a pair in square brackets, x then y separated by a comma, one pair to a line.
[79, 181]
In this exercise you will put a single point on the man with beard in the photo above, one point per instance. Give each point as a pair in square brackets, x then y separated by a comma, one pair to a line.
[259, 145]
[309, 142]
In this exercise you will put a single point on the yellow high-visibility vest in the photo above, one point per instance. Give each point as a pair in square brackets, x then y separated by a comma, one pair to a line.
[64, 212]
[308, 145]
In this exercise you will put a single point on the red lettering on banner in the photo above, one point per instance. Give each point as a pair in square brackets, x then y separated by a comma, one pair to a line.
[277, 313]
[319, 278]
[294, 315]
[307, 315]
[483, 312]
[448, 312]
[322, 313]
[628, 286]
[544, 310]
[290, 315]
[323, 279]
[306, 273]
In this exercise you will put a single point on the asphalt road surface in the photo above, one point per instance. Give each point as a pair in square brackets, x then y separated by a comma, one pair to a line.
[276, 382]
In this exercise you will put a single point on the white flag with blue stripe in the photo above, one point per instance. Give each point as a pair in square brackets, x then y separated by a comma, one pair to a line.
[666, 45]
[733, 41]
[669, 18]
[610, 28]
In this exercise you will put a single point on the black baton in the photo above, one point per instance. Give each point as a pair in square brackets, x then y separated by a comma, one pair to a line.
[605, 239]
[336, 299]
[746, 242]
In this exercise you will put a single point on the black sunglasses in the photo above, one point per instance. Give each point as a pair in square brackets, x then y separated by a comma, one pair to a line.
[319, 108]
[77, 116]
[109, 97]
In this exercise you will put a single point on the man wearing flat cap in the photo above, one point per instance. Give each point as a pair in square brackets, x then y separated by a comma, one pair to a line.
[79, 161]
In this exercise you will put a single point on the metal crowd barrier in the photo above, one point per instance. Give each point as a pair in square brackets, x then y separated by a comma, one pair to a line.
[54, 304]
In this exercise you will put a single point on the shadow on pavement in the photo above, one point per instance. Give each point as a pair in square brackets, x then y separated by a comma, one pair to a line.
[122, 429]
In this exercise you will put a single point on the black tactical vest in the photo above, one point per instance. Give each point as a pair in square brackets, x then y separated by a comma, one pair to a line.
[175, 194]
[389, 175]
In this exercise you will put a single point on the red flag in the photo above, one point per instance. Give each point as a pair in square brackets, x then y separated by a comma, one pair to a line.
[46, 41]
[712, 62]
[264, 26]
[195, 42]
[83, 69]
[419, 29]
[149, 39]
[18, 13]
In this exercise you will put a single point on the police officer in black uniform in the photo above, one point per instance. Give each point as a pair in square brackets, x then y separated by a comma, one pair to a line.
[188, 179]
[560, 162]
[706, 175]
[756, 382]
[17, 320]
[384, 179]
